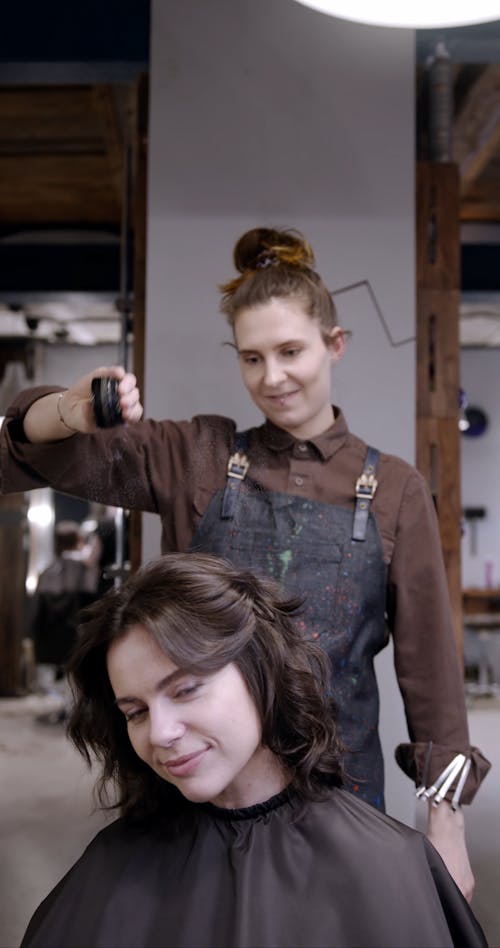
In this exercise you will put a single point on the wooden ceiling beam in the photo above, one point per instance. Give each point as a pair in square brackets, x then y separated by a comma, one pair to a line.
[482, 199]
[486, 211]
[57, 188]
[115, 132]
[61, 153]
[32, 114]
[476, 129]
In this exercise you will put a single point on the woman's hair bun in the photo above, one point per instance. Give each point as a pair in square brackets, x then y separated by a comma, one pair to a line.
[266, 246]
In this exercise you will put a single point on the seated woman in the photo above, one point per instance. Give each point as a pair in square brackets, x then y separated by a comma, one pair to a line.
[209, 714]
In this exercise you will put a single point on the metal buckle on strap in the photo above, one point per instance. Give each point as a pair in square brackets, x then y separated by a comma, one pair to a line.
[366, 485]
[237, 466]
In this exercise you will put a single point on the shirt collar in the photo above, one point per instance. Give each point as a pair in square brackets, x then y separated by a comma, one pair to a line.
[326, 444]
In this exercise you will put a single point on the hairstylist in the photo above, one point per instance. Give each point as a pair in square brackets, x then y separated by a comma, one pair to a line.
[282, 499]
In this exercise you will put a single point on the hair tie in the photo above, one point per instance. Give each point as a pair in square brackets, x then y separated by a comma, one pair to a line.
[267, 260]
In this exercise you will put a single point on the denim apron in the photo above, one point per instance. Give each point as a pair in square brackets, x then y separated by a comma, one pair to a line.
[332, 557]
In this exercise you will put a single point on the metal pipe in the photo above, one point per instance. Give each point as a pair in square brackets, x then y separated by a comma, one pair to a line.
[440, 105]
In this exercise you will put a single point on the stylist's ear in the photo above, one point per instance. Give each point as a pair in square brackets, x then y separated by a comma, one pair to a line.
[336, 343]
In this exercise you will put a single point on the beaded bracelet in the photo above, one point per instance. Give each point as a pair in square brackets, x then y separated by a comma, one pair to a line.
[59, 412]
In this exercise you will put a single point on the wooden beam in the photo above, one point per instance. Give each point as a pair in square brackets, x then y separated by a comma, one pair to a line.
[140, 164]
[438, 245]
[60, 154]
[438, 362]
[57, 188]
[12, 592]
[36, 115]
[482, 201]
[114, 134]
[485, 211]
[476, 129]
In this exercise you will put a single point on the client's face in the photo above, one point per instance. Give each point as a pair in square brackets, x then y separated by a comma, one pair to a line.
[200, 732]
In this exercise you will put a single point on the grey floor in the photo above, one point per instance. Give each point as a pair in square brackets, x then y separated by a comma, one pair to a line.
[46, 814]
[46, 811]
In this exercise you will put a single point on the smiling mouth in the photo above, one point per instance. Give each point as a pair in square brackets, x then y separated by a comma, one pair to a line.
[182, 766]
[283, 398]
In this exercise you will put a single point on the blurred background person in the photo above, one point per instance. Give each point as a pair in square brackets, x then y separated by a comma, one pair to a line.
[68, 584]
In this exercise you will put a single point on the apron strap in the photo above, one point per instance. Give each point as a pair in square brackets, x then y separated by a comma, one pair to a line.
[366, 485]
[237, 468]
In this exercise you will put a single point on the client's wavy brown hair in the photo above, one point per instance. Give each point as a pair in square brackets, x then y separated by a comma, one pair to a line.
[204, 613]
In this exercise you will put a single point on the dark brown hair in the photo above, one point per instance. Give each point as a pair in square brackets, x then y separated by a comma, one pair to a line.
[67, 536]
[276, 263]
[204, 613]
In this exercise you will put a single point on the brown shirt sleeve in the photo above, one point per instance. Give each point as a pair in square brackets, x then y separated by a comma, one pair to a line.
[164, 467]
[427, 664]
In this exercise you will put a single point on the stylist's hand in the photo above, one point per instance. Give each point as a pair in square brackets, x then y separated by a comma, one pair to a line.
[446, 831]
[57, 416]
[76, 403]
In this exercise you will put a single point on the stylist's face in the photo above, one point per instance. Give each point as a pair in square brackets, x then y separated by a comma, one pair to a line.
[285, 364]
[201, 733]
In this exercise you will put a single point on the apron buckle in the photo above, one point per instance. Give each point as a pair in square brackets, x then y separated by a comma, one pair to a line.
[237, 466]
[366, 485]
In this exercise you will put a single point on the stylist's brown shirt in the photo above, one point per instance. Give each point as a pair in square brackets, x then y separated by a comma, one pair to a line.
[174, 468]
